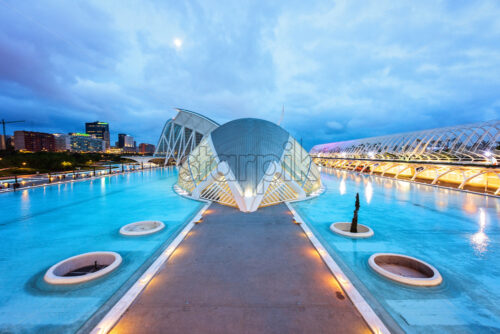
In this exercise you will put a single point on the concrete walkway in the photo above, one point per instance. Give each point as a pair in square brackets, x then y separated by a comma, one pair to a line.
[243, 273]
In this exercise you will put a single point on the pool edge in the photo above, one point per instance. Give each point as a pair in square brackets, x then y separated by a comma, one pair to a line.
[371, 318]
[116, 311]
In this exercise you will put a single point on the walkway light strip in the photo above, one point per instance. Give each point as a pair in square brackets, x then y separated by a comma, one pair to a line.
[111, 318]
[371, 318]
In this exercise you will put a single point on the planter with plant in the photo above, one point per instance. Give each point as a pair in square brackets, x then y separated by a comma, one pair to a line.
[352, 229]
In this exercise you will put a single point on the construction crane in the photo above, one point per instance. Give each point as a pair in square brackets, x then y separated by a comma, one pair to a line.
[4, 138]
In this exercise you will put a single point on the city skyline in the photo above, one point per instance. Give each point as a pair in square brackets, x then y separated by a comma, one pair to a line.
[344, 69]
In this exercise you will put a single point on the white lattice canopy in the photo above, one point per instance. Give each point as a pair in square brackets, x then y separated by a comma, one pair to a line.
[472, 143]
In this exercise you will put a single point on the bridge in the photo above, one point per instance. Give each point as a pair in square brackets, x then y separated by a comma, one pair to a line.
[139, 158]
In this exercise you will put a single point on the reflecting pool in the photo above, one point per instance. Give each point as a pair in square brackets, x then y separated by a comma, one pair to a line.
[42, 226]
[457, 232]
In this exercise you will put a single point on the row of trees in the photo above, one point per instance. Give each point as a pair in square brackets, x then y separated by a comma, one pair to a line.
[24, 163]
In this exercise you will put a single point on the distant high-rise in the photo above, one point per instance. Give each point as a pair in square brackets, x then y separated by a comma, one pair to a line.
[6, 143]
[98, 130]
[126, 142]
[146, 148]
[34, 141]
[82, 142]
[63, 142]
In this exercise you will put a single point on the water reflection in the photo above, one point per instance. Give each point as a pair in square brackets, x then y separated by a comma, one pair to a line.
[368, 192]
[403, 186]
[342, 187]
[441, 199]
[480, 240]
[25, 196]
[469, 205]
[25, 200]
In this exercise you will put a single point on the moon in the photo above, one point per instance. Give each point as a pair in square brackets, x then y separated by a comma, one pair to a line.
[178, 43]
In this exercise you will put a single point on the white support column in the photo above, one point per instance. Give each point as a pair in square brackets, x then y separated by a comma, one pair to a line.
[464, 182]
[436, 179]
[401, 170]
[271, 171]
[390, 167]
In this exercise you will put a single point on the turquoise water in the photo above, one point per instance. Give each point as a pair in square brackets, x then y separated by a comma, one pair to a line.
[457, 232]
[42, 226]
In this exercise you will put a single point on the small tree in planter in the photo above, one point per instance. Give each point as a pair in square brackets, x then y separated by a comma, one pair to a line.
[354, 222]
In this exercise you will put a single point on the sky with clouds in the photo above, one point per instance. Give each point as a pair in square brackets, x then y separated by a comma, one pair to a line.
[342, 69]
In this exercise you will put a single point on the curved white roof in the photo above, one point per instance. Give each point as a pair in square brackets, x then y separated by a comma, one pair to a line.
[249, 163]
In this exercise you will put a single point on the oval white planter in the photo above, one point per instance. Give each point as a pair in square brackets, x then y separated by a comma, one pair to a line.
[405, 269]
[343, 228]
[142, 228]
[57, 273]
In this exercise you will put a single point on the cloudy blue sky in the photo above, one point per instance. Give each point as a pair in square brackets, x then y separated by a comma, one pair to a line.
[343, 69]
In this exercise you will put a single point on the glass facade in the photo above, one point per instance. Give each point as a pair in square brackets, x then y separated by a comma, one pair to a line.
[99, 130]
[82, 142]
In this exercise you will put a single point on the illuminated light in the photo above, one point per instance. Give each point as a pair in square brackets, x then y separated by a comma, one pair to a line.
[248, 192]
[178, 43]
[343, 281]
[321, 252]
[309, 234]
[145, 279]
[371, 155]
[342, 187]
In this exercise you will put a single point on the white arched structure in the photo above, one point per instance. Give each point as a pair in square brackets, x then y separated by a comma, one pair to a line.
[477, 143]
[249, 163]
[139, 158]
[182, 134]
[463, 156]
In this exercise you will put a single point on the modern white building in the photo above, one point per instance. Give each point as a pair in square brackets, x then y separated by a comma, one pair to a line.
[248, 163]
[182, 134]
